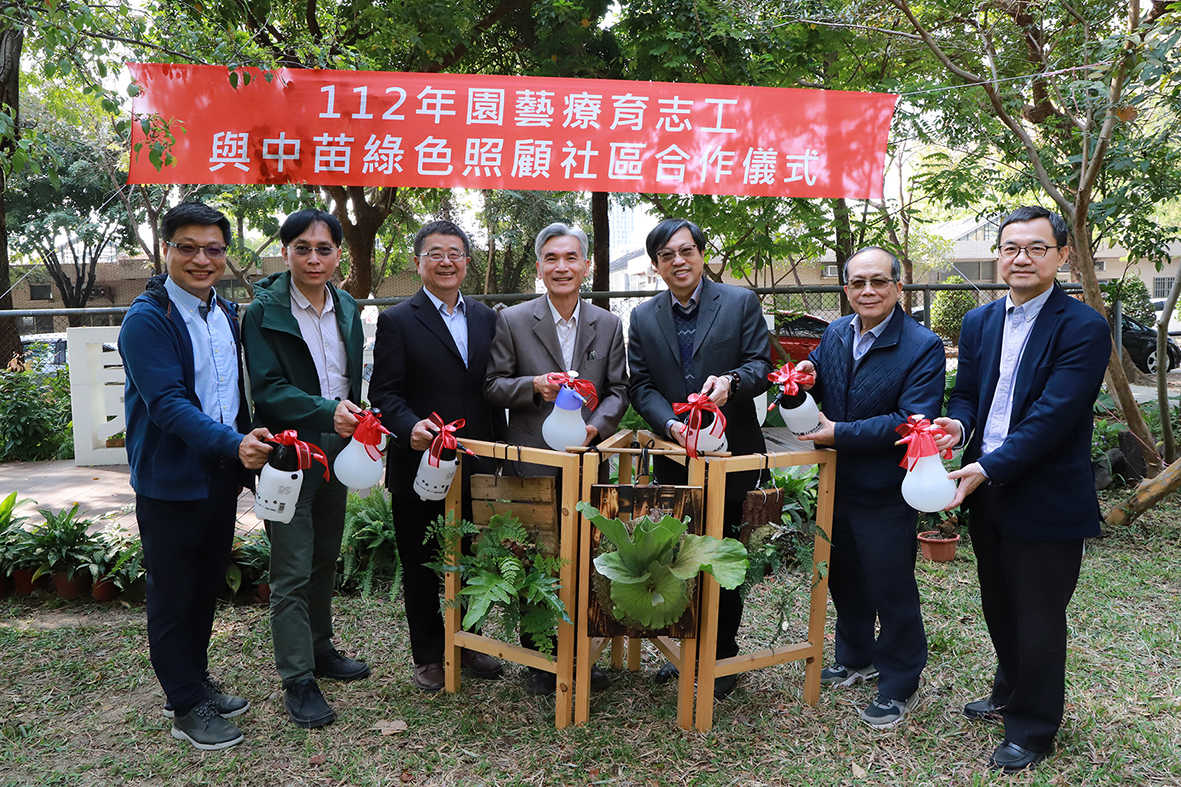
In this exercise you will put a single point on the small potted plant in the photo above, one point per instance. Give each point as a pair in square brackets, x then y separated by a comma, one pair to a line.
[110, 554]
[20, 558]
[65, 547]
[128, 567]
[939, 545]
[252, 554]
[116, 440]
[8, 523]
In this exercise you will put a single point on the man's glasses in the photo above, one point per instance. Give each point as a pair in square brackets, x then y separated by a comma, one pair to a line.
[878, 285]
[213, 252]
[666, 256]
[304, 251]
[438, 256]
[1035, 250]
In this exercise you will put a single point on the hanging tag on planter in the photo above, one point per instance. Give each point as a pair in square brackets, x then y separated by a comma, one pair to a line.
[926, 486]
[436, 469]
[282, 476]
[796, 405]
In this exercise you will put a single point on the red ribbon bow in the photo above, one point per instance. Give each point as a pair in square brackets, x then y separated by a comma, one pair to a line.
[584, 388]
[304, 452]
[697, 404]
[445, 438]
[790, 379]
[369, 432]
[919, 434]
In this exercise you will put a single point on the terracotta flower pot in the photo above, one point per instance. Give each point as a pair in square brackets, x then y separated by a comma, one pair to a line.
[104, 590]
[71, 588]
[22, 580]
[937, 549]
[264, 592]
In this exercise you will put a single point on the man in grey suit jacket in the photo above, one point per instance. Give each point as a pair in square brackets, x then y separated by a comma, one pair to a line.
[557, 333]
[706, 338]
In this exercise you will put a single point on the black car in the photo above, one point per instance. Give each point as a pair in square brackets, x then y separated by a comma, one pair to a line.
[1140, 345]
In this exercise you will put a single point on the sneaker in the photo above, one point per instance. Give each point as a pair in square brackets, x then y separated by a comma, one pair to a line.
[306, 705]
[846, 677]
[330, 664]
[206, 729]
[228, 706]
[885, 713]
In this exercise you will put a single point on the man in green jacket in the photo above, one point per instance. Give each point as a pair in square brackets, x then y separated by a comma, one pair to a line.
[303, 352]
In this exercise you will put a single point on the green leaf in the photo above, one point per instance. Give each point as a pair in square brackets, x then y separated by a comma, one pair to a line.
[655, 604]
[726, 559]
[612, 566]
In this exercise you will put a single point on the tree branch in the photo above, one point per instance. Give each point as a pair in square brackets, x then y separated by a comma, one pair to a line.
[495, 15]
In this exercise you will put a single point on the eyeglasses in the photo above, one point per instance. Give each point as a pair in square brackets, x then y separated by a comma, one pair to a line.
[438, 256]
[304, 251]
[878, 285]
[1035, 250]
[666, 256]
[191, 249]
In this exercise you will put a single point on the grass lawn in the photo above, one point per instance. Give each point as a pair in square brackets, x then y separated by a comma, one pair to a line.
[79, 704]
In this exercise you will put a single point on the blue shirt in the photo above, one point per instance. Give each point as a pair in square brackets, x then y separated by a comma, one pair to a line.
[455, 321]
[862, 342]
[1018, 325]
[215, 356]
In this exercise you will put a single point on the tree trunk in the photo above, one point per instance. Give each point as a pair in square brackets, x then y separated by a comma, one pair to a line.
[1162, 371]
[843, 247]
[1120, 387]
[488, 278]
[601, 229]
[1147, 494]
[11, 42]
[360, 235]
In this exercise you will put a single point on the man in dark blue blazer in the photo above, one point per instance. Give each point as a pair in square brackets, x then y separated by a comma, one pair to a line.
[874, 369]
[1030, 367]
[708, 338]
[431, 355]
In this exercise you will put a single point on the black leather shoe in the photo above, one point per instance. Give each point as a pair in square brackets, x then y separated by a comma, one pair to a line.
[480, 664]
[598, 679]
[724, 685]
[984, 710]
[429, 677]
[666, 673]
[1010, 758]
[330, 664]
[306, 705]
[540, 683]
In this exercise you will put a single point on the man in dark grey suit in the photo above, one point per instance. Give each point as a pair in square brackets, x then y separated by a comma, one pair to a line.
[557, 333]
[708, 338]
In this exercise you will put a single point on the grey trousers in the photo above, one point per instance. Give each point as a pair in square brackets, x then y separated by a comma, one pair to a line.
[303, 570]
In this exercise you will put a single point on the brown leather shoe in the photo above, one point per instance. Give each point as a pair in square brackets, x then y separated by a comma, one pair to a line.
[429, 677]
[481, 664]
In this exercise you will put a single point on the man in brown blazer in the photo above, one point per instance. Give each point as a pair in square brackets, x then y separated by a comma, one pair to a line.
[559, 332]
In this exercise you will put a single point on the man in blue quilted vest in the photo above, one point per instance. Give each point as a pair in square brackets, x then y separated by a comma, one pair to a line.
[874, 369]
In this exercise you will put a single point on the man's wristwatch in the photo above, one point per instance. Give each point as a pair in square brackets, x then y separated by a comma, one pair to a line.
[735, 381]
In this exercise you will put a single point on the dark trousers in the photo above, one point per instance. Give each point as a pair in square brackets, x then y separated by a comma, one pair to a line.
[1025, 588]
[187, 547]
[871, 579]
[421, 585]
[303, 570]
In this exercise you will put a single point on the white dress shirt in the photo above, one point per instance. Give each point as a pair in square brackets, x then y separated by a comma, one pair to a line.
[456, 321]
[567, 332]
[215, 356]
[322, 336]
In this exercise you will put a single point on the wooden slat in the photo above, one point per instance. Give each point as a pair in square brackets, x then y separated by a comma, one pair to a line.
[491, 487]
[542, 515]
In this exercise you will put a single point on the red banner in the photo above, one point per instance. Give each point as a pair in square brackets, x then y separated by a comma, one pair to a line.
[369, 128]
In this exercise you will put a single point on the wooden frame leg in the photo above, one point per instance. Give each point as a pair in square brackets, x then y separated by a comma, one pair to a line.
[818, 607]
[451, 615]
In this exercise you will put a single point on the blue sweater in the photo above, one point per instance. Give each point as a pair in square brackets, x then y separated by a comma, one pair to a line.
[171, 444]
[902, 374]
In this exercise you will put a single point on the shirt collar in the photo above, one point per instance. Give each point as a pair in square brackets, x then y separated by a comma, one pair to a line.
[875, 330]
[442, 307]
[1032, 307]
[694, 299]
[184, 298]
[558, 317]
[300, 300]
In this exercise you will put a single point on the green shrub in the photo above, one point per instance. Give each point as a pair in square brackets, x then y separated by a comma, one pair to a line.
[369, 548]
[948, 308]
[1133, 296]
[34, 414]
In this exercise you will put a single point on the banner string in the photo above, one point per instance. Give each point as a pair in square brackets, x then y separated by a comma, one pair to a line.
[1038, 75]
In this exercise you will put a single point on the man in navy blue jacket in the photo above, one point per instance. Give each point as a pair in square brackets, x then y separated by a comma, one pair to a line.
[874, 369]
[1030, 367]
[189, 447]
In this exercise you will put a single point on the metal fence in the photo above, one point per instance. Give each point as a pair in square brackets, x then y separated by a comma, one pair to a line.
[42, 332]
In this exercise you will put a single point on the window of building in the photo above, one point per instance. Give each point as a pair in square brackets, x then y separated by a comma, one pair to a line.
[41, 292]
[985, 232]
[972, 270]
[1161, 285]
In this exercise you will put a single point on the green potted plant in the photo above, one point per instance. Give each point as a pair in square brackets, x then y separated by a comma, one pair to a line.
[7, 523]
[939, 545]
[65, 547]
[128, 566]
[22, 560]
[253, 556]
[109, 552]
[653, 562]
[369, 547]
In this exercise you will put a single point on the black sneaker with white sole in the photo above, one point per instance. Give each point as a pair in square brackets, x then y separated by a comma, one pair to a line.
[847, 676]
[884, 713]
[228, 706]
[205, 729]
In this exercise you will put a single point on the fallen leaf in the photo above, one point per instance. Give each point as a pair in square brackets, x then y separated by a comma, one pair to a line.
[406, 777]
[386, 727]
[319, 759]
[858, 771]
